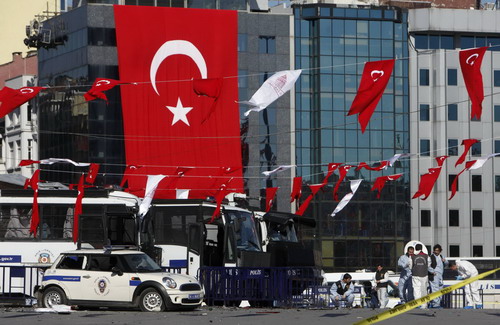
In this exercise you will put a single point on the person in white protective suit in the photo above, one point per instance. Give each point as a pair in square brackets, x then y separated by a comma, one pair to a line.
[404, 284]
[467, 270]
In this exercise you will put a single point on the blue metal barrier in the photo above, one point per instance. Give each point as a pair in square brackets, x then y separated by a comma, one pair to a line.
[260, 286]
[17, 284]
[456, 299]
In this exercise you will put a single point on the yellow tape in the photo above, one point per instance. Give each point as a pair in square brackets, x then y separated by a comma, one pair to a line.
[417, 302]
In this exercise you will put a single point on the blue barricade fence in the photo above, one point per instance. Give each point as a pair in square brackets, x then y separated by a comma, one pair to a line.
[260, 286]
[17, 284]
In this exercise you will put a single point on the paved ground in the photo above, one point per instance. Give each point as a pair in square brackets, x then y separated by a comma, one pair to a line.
[253, 316]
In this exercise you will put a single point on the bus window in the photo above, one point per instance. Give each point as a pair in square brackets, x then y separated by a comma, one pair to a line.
[122, 230]
[171, 224]
[56, 222]
[244, 225]
[18, 224]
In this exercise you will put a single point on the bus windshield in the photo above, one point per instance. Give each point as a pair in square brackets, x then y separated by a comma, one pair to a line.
[282, 232]
[246, 234]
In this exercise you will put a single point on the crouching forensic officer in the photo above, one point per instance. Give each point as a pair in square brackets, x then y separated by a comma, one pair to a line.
[343, 290]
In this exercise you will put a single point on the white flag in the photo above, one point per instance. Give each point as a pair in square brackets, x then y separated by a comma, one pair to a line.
[276, 170]
[345, 200]
[182, 194]
[273, 88]
[51, 161]
[481, 161]
[151, 185]
[397, 157]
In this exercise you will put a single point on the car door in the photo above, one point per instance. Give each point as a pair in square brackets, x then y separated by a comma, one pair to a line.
[68, 274]
[99, 283]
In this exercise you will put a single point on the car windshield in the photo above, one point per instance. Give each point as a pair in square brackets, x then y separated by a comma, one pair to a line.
[246, 234]
[140, 263]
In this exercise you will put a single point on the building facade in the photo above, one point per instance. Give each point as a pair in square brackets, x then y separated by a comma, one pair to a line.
[332, 42]
[468, 224]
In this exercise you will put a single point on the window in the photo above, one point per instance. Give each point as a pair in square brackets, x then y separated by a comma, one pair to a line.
[497, 183]
[71, 262]
[496, 78]
[452, 112]
[451, 178]
[425, 147]
[242, 42]
[424, 112]
[425, 218]
[452, 147]
[454, 250]
[452, 77]
[28, 112]
[267, 44]
[453, 218]
[497, 218]
[497, 146]
[476, 149]
[498, 251]
[477, 218]
[496, 110]
[477, 251]
[424, 77]
[476, 183]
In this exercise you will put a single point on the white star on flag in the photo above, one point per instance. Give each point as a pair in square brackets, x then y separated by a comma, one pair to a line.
[179, 112]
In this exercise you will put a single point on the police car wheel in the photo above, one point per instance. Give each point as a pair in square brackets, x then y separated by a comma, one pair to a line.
[52, 297]
[151, 300]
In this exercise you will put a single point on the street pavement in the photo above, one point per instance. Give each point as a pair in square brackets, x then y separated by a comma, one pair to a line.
[243, 316]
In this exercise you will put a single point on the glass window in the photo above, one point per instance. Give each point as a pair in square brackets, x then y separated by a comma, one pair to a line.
[387, 30]
[434, 42]
[497, 218]
[452, 77]
[425, 147]
[71, 262]
[451, 178]
[477, 218]
[374, 29]
[242, 42]
[497, 251]
[453, 218]
[476, 183]
[424, 77]
[338, 27]
[496, 113]
[452, 112]
[454, 250]
[497, 146]
[452, 147]
[425, 218]
[496, 78]
[497, 183]
[421, 41]
[424, 112]
[350, 28]
[467, 42]
[447, 42]
[476, 149]
[325, 27]
[477, 251]
[267, 44]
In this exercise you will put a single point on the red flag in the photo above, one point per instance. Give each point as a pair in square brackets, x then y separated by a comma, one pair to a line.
[342, 172]
[383, 165]
[128, 172]
[100, 85]
[26, 183]
[78, 208]
[380, 183]
[270, 194]
[470, 63]
[178, 44]
[455, 182]
[28, 162]
[221, 194]
[375, 77]
[92, 174]
[12, 98]
[35, 216]
[467, 143]
[296, 189]
[208, 87]
[427, 182]
[331, 168]
[440, 160]
[303, 207]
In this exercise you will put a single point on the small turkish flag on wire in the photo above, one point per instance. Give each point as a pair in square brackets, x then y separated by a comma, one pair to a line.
[100, 85]
[13, 98]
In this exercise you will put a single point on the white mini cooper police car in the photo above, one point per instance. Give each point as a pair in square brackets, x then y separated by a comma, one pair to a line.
[120, 278]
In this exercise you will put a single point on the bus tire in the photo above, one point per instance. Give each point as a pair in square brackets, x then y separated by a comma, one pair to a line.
[151, 300]
[53, 296]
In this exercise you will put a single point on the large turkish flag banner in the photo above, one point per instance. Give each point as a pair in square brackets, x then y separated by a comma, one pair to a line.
[163, 50]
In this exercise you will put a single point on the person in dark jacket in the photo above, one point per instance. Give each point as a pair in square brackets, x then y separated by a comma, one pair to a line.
[420, 268]
[343, 290]
[381, 280]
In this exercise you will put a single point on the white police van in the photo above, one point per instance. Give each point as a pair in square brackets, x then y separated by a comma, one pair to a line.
[116, 278]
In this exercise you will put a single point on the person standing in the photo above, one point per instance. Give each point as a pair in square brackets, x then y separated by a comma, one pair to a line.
[467, 270]
[438, 263]
[404, 284]
[343, 290]
[381, 280]
[419, 265]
